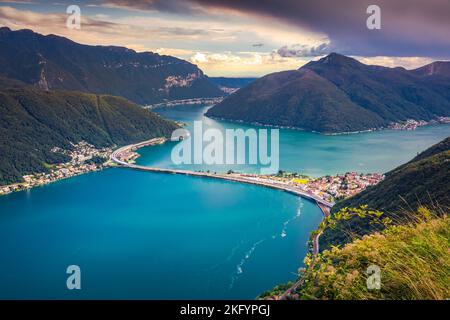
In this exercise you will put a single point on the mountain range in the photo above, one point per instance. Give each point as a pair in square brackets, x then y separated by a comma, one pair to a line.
[340, 94]
[55, 92]
[52, 62]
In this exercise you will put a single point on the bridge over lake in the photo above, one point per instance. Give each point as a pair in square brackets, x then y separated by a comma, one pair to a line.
[324, 205]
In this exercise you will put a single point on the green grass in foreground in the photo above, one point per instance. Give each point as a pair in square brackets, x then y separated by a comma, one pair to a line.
[414, 260]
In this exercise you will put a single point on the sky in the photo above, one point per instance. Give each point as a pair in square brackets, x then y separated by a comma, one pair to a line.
[249, 38]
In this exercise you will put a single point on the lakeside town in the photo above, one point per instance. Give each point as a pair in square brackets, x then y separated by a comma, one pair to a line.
[329, 188]
[193, 101]
[84, 158]
[411, 124]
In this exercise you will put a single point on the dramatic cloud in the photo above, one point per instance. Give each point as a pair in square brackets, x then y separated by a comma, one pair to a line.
[95, 31]
[250, 37]
[302, 50]
[409, 27]
[19, 19]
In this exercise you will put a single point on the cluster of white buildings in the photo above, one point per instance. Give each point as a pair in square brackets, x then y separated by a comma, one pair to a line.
[80, 155]
[342, 186]
[411, 124]
[328, 188]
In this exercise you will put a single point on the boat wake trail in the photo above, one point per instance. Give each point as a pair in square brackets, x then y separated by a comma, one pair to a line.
[287, 222]
[239, 267]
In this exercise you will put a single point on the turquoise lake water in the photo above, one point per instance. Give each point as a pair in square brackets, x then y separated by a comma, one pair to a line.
[154, 236]
[310, 153]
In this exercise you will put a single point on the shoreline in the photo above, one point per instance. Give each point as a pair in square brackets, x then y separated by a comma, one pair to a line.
[322, 190]
[84, 158]
[294, 128]
[392, 126]
[193, 101]
[126, 155]
[82, 169]
[104, 167]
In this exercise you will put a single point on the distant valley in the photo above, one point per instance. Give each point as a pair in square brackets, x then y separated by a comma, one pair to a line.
[231, 85]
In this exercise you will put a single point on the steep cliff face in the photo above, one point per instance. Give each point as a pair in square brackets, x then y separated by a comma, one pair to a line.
[52, 62]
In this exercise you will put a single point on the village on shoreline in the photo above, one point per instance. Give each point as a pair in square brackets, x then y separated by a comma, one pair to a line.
[411, 124]
[329, 188]
[86, 158]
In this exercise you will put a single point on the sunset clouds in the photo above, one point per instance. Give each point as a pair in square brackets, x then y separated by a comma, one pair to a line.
[248, 37]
